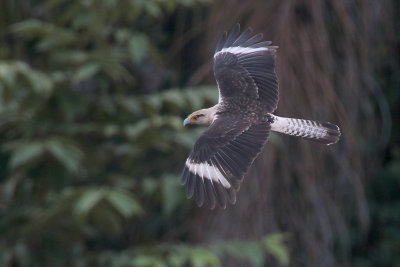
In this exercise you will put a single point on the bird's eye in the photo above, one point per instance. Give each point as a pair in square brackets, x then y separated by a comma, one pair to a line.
[194, 118]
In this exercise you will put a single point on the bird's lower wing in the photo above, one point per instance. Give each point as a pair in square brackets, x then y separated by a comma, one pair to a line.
[220, 159]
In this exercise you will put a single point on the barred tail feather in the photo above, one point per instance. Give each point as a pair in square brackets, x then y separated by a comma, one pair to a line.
[322, 132]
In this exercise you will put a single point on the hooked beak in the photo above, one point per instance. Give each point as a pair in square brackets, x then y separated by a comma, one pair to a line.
[186, 122]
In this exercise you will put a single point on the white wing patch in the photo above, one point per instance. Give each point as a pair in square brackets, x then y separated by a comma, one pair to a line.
[207, 171]
[241, 50]
[219, 94]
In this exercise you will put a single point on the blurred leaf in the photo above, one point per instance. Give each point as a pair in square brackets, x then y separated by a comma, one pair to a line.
[274, 243]
[86, 71]
[244, 251]
[138, 45]
[130, 104]
[87, 201]
[67, 154]
[149, 185]
[148, 261]
[40, 82]
[25, 153]
[35, 28]
[174, 97]
[201, 257]
[7, 73]
[170, 187]
[124, 203]
[70, 57]
[133, 131]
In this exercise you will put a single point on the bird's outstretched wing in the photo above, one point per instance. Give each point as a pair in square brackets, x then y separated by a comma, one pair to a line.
[220, 158]
[244, 66]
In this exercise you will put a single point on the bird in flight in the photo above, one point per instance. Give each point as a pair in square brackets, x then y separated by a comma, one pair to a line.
[239, 125]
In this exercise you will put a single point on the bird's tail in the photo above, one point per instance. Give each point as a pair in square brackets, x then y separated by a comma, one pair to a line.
[323, 132]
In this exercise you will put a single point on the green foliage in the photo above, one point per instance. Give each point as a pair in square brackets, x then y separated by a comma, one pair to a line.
[90, 159]
[253, 252]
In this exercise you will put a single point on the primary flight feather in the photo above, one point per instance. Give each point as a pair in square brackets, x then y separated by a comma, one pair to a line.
[239, 125]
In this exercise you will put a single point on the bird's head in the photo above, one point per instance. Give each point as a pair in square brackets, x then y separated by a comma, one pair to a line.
[201, 117]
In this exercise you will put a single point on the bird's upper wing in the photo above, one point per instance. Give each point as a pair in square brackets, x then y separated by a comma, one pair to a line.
[220, 159]
[244, 66]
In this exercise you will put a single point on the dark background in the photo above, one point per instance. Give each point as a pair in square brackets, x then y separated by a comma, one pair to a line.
[92, 99]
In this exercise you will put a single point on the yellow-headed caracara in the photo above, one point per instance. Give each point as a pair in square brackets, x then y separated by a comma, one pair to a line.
[240, 123]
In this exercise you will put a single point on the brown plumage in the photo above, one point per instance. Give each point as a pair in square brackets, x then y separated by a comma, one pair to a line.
[239, 125]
